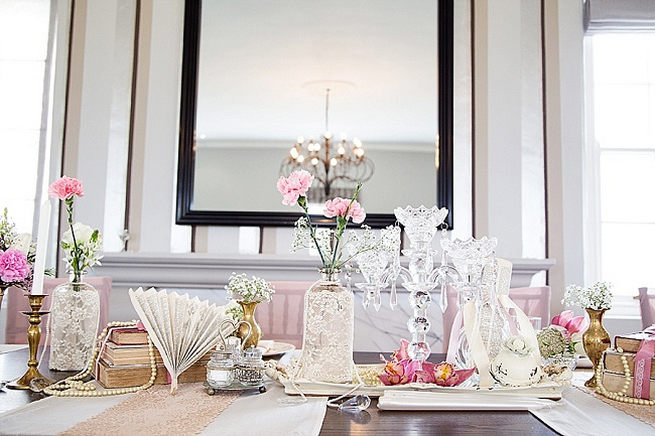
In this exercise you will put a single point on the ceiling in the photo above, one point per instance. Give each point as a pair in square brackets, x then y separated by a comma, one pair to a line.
[255, 57]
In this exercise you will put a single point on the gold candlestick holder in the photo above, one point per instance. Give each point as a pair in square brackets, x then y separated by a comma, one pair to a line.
[33, 339]
[2, 294]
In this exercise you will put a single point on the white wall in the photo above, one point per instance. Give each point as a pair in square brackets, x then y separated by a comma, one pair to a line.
[509, 166]
[508, 143]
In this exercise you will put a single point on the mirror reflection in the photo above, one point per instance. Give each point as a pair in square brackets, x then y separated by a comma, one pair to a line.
[343, 89]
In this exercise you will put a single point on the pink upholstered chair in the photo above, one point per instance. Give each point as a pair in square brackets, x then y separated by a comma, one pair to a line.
[16, 331]
[647, 306]
[532, 301]
[282, 318]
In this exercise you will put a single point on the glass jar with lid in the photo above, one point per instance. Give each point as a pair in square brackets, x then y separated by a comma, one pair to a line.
[220, 370]
[250, 368]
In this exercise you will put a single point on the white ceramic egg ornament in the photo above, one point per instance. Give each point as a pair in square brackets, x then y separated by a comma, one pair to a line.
[516, 364]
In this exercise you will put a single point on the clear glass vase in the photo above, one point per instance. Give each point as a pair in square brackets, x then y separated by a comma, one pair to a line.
[74, 319]
[327, 350]
[475, 284]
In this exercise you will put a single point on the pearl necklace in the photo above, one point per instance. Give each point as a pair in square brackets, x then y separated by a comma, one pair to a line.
[74, 386]
[620, 396]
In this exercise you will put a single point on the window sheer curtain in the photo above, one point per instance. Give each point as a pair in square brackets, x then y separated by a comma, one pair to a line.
[620, 145]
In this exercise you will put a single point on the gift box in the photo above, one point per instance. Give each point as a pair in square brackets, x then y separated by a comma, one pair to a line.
[639, 350]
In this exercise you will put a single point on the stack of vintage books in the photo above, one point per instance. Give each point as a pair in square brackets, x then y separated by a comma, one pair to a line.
[614, 372]
[125, 362]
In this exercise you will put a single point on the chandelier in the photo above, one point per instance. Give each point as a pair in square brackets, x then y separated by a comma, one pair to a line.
[337, 165]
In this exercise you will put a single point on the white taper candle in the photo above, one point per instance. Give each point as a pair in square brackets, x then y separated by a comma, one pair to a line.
[41, 248]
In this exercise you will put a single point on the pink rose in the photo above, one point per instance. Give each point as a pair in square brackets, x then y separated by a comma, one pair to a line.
[65, 188]
[294, 186]
[13, 266]
[339, 207]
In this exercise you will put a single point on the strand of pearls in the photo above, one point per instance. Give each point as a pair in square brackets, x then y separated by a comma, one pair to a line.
[74, 386]
[620, 396]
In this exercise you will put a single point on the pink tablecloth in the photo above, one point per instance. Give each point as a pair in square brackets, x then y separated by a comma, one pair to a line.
[17, 323]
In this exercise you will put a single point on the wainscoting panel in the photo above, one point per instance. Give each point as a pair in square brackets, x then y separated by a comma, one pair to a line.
[205, 275]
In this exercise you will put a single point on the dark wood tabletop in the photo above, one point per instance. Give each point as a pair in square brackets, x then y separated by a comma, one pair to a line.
[370, 422]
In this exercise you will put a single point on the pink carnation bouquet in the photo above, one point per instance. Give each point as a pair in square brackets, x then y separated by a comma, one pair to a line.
[16, 256]
[329, 243]
[402, 370]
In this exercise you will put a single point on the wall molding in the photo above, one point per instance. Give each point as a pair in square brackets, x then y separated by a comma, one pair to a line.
[211, 271]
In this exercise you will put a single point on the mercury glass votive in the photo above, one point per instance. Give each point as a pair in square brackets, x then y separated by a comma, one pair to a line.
[250, 369]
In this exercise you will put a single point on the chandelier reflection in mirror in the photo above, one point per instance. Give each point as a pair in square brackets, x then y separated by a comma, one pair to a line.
[336, 164]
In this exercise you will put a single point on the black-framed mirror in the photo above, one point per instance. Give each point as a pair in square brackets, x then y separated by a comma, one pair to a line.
[256, 75]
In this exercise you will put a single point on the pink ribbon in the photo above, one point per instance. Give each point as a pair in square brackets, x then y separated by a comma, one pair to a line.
[643, 362]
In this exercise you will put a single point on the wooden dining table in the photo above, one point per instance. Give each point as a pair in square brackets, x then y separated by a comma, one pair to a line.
[372, 421]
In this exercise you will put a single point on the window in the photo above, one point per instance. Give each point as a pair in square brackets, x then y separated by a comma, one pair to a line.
[23, 51]
[622, 108]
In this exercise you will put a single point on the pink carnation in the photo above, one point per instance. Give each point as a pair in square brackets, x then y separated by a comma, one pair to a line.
[339, 206]
[13, 266]
[294, 186]
[65, 188]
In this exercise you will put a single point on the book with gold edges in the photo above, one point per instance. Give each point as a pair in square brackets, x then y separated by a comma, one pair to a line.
[115, 354]
[630, 343]
[129, 336]
[613, 363]
[614, 383]
[124, 376]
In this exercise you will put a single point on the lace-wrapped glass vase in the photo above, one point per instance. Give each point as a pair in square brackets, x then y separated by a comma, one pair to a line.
[74, 319]
[327, 349]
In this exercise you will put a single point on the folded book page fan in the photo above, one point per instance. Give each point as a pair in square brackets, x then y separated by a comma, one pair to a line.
[183, 329]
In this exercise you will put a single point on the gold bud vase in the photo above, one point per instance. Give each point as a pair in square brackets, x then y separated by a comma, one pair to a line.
[595, 341]
[242, 331]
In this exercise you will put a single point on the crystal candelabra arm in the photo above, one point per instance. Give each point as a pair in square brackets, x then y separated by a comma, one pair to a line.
[390, 277]
[443, 273]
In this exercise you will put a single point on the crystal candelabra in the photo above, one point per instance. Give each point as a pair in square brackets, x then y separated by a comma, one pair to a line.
[382, 268]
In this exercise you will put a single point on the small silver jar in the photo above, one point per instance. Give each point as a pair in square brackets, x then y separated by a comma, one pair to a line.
[250, 368]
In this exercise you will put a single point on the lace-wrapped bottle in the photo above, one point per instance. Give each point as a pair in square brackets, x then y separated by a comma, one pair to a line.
[74, 319]
[327, 350]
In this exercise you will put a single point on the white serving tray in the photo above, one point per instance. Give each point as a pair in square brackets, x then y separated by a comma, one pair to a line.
[445, 401]
[547, 390]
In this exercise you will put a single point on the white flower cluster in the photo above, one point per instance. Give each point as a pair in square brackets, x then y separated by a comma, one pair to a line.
[256, 289]
[89, 245]
[302, 235]
[362, 242]
[597, 296]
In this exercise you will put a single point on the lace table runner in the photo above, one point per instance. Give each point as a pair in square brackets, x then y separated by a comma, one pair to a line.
[645, 414]
[156, 412]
